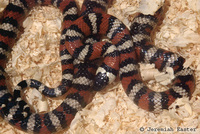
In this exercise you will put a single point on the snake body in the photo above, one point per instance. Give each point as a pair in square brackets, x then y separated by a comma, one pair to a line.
[80, 47]
[183, 85]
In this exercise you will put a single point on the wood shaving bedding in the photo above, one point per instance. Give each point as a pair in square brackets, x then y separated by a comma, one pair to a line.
[36, 55]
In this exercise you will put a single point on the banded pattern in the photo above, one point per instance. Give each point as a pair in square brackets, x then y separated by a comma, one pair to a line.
[69, 10]
[77, 98]
[183, 84]
[95, 6]
[12, 108]
[80, 46]
[106, 25]
[77, 75]
[70, 14]
[108, 70]
[93, 48]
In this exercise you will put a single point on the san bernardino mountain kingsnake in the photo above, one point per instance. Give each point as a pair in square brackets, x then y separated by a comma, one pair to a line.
[80, 47]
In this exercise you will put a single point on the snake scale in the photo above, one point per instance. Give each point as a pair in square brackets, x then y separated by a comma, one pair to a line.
[80, 47]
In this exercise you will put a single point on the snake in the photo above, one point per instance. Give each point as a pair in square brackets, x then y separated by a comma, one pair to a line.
[81, 45]
[183, 84]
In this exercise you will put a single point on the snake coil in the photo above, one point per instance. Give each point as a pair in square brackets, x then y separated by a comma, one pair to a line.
[80, 47]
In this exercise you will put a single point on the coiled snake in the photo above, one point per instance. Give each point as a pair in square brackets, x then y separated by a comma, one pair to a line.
[80, 46]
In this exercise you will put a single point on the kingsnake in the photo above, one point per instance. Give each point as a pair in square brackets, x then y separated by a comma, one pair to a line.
[122, 53]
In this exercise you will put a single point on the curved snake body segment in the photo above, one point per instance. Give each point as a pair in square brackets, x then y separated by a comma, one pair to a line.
[106, 25]
[182, 85]
[20, 109]
[14, 109]
[69, 10]
[70, 14]
[104, 49]
[107, 72]
[77, 97]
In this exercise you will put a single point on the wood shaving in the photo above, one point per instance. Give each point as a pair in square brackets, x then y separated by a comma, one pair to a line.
[36, 56]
